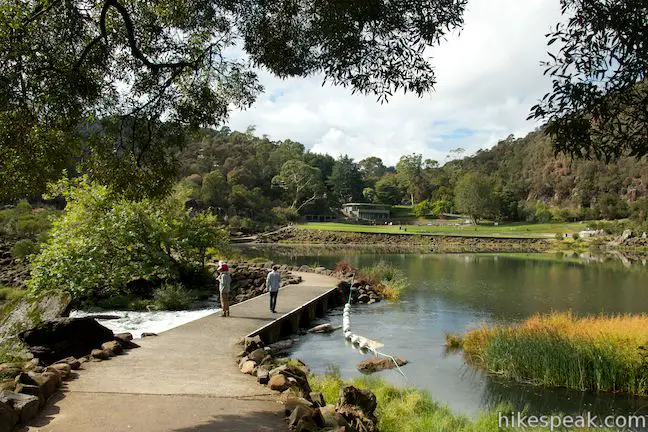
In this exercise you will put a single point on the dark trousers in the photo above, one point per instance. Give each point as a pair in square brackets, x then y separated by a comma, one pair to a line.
[273, 300]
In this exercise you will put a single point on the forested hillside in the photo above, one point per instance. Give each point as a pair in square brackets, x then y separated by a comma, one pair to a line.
[253, 182]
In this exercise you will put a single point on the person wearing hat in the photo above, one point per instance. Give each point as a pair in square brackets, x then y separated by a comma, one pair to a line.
[273, 282]
[224, 282]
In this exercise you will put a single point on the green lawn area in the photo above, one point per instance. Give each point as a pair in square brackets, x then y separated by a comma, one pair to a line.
[514, 229]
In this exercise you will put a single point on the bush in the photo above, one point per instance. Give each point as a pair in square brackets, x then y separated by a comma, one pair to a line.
[542, 213]
[611, 206]
[172, 297]
[283, 215]
[242, 224]
[23, 248]
[11, 293]
[588, 213]
[575, 236]
[344, 267]
[24, 222]
[424, 208]
[103, 241]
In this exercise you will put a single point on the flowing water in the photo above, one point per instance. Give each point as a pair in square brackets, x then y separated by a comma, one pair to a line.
[452, 293]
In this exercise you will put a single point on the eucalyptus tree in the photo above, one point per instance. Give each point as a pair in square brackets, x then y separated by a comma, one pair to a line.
[598, 105]
[114, 86]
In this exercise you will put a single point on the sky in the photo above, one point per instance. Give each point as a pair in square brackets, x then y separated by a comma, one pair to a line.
[488, 77]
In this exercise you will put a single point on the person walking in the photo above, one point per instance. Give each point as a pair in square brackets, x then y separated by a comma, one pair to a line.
[224, 282]
[273, 282]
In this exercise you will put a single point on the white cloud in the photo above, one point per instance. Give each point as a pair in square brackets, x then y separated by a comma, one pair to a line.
[488, 78]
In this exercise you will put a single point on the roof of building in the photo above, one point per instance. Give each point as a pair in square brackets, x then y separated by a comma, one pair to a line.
[367, 205]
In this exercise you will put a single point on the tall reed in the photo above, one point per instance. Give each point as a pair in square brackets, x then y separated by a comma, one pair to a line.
[387, 278]
[600, 353]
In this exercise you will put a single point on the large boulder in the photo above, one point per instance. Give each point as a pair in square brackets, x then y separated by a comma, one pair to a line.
[376, 364]
[28, 313]
[57, 339]
[26, 406]
[8, 417]
[357, 406]
[324, 328]
[279, 383]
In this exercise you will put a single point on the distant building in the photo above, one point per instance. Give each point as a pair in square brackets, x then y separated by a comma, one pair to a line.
[367, 211]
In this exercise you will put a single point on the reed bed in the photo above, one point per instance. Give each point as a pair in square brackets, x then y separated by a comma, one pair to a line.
[386, 278]
[600, 353]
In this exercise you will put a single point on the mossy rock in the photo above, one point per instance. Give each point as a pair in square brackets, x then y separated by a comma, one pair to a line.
[26, 314]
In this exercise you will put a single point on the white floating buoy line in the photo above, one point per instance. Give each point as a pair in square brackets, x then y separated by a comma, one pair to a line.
[361, 342]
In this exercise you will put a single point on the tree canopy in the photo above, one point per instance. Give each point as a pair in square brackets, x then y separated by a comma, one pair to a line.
[153, 69]
[598, 106]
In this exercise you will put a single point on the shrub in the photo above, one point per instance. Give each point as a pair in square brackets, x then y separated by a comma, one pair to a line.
[243, 224]
[172, 297]
[23, 221]
[344, 267]
[423, 208]
[542, 213]
[11, 293]
[23, 248]
[103, 241]
[588, 213]
[575, 236]
[558, 236]
[285, 214]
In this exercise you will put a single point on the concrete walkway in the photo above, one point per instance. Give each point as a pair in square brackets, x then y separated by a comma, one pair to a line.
[184, 380]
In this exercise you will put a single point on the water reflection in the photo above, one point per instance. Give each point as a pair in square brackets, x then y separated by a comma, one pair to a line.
[452, 293]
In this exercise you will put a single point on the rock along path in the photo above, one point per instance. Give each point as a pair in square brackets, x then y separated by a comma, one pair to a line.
[184, 380]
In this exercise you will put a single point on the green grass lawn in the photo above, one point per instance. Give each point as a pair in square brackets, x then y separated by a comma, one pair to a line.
[515, 229]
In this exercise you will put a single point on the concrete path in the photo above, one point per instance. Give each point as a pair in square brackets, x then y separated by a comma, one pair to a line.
[184, 380]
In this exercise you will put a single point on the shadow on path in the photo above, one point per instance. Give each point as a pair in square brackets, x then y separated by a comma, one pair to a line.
[256, 421]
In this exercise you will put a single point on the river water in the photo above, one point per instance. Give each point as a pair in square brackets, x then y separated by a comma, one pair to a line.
[453, 293]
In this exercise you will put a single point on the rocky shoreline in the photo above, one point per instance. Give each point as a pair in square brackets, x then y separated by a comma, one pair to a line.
[305, 410]
[59, 348]
[427, 243]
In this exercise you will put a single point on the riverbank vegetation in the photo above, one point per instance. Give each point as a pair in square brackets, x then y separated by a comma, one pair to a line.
[105, 246]
[525, 188]
[410, 409]
[599, 353]
[387, 279]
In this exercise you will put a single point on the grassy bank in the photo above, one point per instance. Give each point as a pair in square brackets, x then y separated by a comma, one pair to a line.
[411, 409]
[516, 230]
[597, 353]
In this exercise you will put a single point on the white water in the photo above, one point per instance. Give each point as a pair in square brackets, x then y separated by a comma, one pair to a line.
[138, 322]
